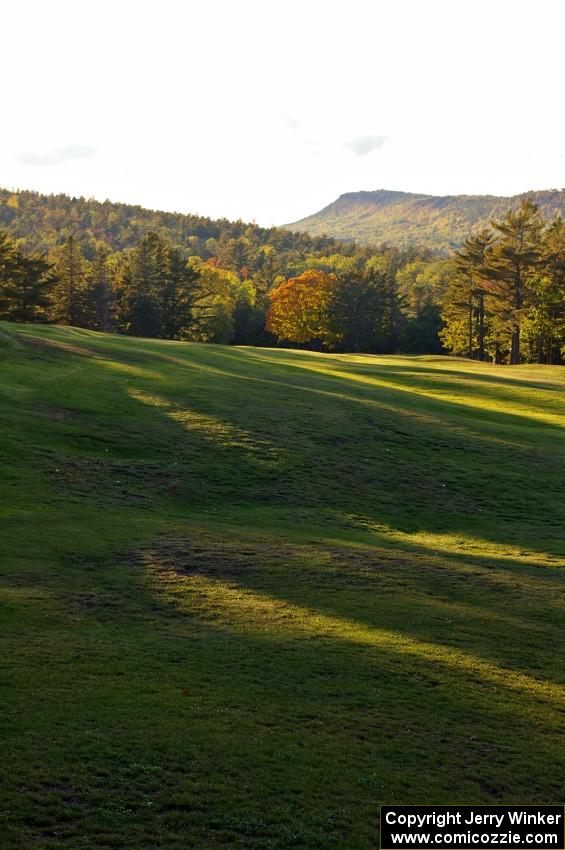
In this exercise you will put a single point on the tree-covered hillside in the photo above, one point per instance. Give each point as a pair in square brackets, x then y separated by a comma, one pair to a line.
[110, 266]
[403, 218]
[500, 297]
[44, 221]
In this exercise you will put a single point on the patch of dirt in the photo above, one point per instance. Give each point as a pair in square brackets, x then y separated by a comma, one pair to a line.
[321, 567]
[56, 414]
[130, 482]
[217, 559]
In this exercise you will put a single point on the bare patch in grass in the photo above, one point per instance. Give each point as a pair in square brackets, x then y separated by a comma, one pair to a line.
[187, 556]
[132, 483]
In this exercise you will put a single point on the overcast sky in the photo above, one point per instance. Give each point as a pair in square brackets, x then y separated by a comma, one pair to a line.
[269, 110]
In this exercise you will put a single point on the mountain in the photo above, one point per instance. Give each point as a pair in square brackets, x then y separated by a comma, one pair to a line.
[403, 218]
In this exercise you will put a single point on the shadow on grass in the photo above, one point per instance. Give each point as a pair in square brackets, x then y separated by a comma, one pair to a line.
[290, 444]
[250, 688]
[408, 600]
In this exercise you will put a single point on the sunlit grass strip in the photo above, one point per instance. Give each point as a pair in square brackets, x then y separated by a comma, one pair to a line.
[467, 398]
[254, 612]
[458, 544]
[212, 428]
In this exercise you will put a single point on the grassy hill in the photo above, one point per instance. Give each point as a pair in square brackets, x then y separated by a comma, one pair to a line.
[402, 218]
[249, 594]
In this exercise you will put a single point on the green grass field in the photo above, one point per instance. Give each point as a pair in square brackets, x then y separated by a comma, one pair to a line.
[250, 594]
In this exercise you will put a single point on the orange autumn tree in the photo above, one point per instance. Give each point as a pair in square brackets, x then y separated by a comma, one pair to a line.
[299, 308]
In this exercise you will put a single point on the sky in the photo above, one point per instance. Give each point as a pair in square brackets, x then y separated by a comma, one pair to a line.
[268, 111]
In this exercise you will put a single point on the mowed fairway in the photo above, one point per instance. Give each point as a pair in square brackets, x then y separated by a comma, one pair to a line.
[247, 595]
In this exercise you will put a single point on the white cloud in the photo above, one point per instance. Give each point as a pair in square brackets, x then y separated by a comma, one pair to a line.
[56, 156]
[363, 145]
[289, 120]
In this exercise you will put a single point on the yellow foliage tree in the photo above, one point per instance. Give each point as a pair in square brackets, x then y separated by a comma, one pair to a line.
[299, 308]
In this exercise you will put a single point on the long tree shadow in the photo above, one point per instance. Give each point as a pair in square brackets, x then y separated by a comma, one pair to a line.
[402, 464]
[299, 715]
[327, 654]
[480, 372]
[462, 607]
[334, 655]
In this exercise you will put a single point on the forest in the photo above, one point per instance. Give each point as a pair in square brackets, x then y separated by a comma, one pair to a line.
[114, 267]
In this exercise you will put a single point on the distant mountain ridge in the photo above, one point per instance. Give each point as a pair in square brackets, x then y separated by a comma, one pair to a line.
[403, 218]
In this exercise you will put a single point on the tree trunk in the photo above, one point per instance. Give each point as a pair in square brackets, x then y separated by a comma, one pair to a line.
[481, 327]
[515, 347]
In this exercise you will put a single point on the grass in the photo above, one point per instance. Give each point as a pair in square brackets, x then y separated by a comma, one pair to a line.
[249, 594]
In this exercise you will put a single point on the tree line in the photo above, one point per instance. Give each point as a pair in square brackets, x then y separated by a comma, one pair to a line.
[499, 297]
[360, 302]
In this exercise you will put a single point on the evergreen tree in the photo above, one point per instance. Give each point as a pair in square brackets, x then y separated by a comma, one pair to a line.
[391, 322]
[178, 294]
[143, 277]
[547, 317]
[24, 283]
[99, 293]
[8, 252]
[470, 262]
[465, 298]
[511, 264]
[68, 298]
[357, 308]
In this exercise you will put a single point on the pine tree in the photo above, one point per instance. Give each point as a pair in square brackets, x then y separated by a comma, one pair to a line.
[178, 295]
[100, 295]
[470, 263]
[24, 283]
[547, 317]
[68, 298]
[357, 308]
[142, 281]
[511, 265]
[8, 266]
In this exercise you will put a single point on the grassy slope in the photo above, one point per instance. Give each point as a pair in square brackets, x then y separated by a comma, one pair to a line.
[249, 594]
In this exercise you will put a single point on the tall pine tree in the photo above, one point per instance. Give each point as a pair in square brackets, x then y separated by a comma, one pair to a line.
[511, 265]
[68, 298]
